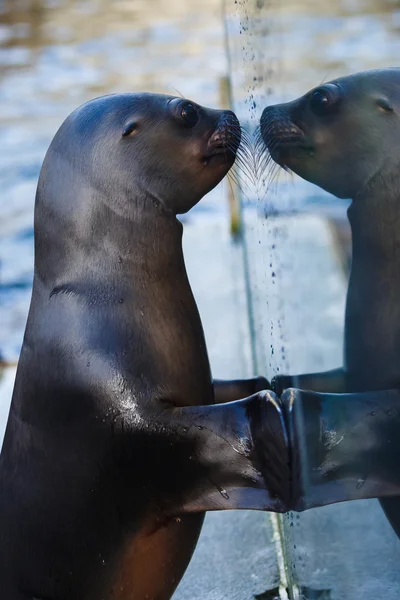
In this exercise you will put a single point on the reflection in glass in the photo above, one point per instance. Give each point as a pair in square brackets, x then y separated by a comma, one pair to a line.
[298, 252]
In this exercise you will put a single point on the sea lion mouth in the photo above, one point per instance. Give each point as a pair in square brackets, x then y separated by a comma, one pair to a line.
[283, 150]
[224, 141]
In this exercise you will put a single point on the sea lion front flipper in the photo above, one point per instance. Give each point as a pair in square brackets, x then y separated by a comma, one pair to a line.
[235, 389]
[343, 446]
[231, 456]
[327, 382]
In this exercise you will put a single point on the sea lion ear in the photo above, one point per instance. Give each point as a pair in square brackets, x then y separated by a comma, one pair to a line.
[384, 104]
[129, 128]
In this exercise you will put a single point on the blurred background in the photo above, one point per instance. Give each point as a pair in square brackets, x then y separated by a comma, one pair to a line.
[56, 54]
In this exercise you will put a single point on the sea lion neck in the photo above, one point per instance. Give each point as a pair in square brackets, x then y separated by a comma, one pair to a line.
[374, 217]
[144, 241]
[372, 333]
[150, 243]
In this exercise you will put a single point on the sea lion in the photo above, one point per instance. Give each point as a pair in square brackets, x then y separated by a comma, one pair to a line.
[114, 446]
[344, 137]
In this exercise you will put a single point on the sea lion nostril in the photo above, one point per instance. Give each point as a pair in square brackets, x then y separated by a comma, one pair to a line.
[230, 117]
[278, 129]
[226, 136]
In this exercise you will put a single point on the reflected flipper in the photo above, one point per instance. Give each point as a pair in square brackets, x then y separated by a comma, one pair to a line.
[344, 446]
[235, 389]
[229, 456]
[329, 382]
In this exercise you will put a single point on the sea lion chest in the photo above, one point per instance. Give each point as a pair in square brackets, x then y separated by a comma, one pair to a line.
[143, 338]
[145, 342]
[165, 343]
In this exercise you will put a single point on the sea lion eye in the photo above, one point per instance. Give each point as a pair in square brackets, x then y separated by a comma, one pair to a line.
[189, 114]
[325, 99]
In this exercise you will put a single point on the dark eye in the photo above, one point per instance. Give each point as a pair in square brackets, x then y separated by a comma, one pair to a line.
[325, 100]
[189, 114]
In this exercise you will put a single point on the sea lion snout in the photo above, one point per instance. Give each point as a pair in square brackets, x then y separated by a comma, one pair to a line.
[277, 125]
[280, 133]
[226, 136]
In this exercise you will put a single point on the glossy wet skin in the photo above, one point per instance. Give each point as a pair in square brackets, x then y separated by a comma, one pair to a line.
[341, 134]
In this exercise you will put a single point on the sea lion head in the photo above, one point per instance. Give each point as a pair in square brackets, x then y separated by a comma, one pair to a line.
[117, 172]
[135, 146]
[340, 135]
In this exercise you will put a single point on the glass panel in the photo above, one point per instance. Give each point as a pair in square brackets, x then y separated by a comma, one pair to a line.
[297, 244]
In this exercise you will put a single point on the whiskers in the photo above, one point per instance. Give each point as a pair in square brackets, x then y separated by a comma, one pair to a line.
[266, 142]
[240, 143]
[254, 170]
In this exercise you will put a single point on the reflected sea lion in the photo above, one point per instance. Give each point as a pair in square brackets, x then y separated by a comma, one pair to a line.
[344, 136]
[116, 443]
